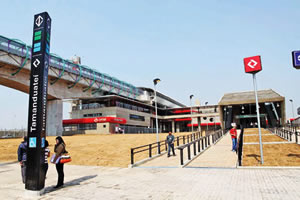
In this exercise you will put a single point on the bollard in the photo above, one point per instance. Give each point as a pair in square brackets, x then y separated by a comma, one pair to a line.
[194, 144]
[209, 140]
[188, 139]
[158, 147]
[189, 152]
[132, 156]
[198, 145]
[202, 143]
[150, 150]
[296, 137]
[166, 148]
[181, 156]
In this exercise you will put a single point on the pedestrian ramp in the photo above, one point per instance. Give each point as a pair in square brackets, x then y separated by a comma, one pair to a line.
[218, 156]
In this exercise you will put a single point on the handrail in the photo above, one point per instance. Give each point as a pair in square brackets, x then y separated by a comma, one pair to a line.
[205, 142]
[94, 78]
[63, 69]
[286, 133]
[15, 47]
[159, 144]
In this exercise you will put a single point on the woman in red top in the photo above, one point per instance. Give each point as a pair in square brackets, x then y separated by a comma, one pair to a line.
[233, 134]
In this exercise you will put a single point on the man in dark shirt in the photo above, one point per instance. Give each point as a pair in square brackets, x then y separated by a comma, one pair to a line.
[170, 141]
[22, 157]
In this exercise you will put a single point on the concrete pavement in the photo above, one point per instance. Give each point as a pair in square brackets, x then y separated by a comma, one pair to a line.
[89, 182]
[219, 155]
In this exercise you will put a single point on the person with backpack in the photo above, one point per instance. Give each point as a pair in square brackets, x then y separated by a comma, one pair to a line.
[22, 157]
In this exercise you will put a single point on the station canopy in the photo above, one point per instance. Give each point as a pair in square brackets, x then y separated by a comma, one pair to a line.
[264, 96]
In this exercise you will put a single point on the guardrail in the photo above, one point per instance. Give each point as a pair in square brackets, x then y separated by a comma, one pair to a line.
[19, 48]
[199, 145]
[162, 144]
[287, 132]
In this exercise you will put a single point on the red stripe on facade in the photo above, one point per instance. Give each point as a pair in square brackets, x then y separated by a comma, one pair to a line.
[93, 120]
[206, 124]
[184, 111]
[182, 119]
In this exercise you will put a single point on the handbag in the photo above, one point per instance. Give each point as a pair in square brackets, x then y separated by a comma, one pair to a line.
[53, 157]
[65, 159]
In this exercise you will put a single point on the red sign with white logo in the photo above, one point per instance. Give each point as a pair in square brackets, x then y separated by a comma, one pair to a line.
[252, 64]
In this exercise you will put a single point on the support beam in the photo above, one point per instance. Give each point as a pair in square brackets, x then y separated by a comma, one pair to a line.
[54, 118]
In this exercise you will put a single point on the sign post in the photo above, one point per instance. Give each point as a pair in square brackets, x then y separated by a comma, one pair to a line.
[296, 59]
[35, 176]
[253, 65]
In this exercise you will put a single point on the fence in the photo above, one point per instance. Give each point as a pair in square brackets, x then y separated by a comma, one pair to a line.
[12, 133]
[287, 133]
[134, 129]
[158, 145]
[198, 144]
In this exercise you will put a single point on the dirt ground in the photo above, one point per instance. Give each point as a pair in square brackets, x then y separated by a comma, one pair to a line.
[101, 150]
[274, 154]
[265, 138]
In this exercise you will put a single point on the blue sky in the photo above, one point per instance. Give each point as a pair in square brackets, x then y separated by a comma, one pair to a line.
[194, 47]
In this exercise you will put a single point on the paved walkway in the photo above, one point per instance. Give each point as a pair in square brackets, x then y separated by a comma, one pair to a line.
[219, 155]
[89, 182]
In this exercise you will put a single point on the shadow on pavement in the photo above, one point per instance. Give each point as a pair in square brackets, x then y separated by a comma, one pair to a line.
[69, 184]
[8, 163]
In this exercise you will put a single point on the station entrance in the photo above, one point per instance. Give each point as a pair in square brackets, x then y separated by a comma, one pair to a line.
[240, 108]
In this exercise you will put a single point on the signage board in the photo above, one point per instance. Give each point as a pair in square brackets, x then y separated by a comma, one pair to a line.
[296, 59]
[35, 177]
[252, 64]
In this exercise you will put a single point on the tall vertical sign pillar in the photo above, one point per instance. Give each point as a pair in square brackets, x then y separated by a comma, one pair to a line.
[252, 66]
[35, 176]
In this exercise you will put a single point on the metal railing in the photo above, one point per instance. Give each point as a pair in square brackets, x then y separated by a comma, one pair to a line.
[239, 150]
[159, 146]
[287, 133]
[19, 48]
[200, 144]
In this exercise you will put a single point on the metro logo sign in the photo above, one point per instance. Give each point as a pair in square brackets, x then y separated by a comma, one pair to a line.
[252, 64]
[296, 59]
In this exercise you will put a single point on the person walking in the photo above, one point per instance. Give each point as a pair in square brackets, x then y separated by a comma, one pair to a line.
[170, 141]
[59, 149]
[22, 157]
[233, 134]
[47, 155]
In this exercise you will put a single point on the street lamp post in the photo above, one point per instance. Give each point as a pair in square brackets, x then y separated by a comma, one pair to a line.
[155, 81]
[292, 102]
[191, 96]
[206, 120]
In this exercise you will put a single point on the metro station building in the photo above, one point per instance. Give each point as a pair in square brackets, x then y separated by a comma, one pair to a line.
[240, 108]
[104, 114]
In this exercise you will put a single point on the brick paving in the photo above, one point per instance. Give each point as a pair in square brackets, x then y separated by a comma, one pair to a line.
[88, 182]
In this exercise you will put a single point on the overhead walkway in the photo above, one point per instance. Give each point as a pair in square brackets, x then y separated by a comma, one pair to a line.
[16, 53]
